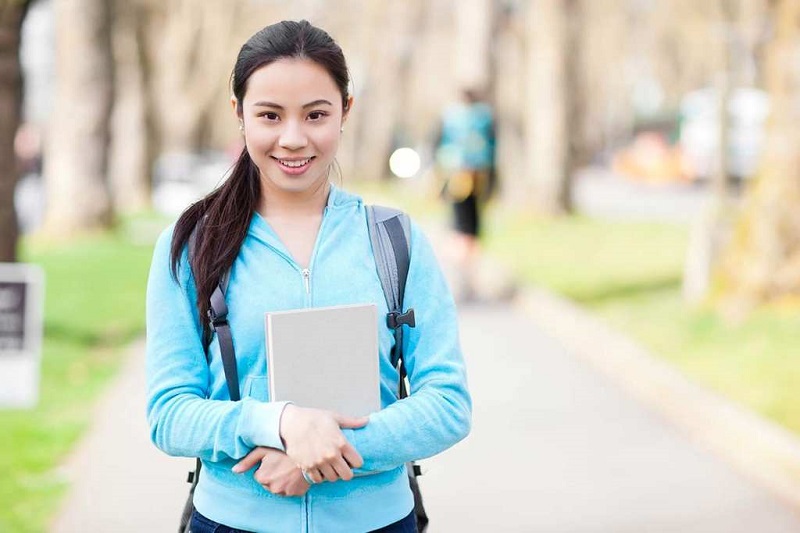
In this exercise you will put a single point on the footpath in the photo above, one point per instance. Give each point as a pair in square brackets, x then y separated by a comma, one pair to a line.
[556, 447]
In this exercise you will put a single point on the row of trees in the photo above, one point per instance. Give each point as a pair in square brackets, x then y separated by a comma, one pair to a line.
[569, 79]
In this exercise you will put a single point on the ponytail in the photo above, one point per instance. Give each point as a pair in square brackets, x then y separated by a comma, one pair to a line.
[222, 219]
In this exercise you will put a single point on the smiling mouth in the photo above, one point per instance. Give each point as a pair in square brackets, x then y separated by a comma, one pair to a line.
[294, 163]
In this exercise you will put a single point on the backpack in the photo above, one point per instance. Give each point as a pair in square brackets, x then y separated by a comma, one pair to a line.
[389, 232]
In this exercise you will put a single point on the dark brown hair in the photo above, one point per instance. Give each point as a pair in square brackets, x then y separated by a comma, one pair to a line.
[226, 212]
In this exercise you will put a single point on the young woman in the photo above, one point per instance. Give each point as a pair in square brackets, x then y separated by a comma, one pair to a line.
[290, 239]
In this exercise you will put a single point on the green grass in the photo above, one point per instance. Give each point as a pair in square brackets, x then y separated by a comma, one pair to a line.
[629, 273]
[94, 306]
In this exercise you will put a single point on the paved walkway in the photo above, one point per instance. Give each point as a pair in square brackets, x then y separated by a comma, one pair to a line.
[555, 448]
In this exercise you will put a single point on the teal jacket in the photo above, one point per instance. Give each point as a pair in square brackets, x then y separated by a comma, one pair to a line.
[190, 412]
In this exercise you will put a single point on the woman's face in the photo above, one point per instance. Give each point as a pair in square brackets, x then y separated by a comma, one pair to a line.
[293, 115]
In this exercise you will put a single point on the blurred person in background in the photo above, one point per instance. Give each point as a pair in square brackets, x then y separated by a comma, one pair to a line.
[28, 149]
[465, 157]
[290, 239]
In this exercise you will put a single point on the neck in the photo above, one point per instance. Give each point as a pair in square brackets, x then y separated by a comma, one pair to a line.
[276, 203]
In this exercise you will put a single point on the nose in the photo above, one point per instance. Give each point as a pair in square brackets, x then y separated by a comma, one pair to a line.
[292, 136]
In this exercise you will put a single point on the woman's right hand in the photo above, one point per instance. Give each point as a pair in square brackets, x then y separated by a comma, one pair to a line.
[314, 440]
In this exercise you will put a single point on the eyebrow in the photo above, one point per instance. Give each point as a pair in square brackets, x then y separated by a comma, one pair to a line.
[315, 103]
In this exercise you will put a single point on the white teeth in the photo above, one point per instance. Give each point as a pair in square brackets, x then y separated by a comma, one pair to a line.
[294, 164]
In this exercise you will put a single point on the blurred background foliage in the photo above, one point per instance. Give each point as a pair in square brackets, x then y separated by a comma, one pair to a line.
[125, 95]
[648, 164]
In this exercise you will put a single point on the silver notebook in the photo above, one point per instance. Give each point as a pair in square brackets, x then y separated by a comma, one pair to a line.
[325, 357]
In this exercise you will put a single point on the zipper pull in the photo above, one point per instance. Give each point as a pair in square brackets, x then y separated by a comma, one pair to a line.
[307, 280]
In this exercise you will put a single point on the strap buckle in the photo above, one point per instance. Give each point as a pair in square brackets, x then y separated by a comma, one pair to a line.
[215, 321]
[395, 319]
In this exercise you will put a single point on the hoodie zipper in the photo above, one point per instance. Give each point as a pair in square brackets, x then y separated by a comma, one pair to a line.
[306, 273]
[305, 528]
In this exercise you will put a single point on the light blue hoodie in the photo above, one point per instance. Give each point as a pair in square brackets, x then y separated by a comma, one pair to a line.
[190, 412]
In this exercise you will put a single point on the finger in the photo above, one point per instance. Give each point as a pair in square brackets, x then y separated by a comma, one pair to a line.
[352, 456]
[249, 461]
[269, 488]
[328, 472]
[315, 475]
[307, 479]
[351, 422]
[342, 470]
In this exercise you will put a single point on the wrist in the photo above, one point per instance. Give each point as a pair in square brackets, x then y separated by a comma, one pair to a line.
[288, 407]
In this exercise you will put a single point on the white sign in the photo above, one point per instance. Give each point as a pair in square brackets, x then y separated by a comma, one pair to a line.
[21, 299]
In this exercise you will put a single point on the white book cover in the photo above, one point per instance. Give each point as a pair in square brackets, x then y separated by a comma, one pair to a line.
[325, 357]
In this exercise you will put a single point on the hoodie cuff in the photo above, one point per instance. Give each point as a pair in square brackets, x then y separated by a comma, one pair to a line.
[261, 423]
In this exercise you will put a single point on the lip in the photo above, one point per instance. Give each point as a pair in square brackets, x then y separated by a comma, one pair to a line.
[293, 171]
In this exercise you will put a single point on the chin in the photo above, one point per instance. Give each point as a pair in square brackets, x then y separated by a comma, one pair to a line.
[299, 184]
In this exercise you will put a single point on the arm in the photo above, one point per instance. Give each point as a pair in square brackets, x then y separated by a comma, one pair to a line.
[182, 420]
[437, 414]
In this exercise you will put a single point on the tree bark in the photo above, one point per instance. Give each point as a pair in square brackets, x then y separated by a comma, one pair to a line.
[387, 34]
[132, 148]
[711, 230]
[76, 162]
[189, 45]
[763, 262]
[474, 26]
[12, 12]
[509, 98]
[554, 127]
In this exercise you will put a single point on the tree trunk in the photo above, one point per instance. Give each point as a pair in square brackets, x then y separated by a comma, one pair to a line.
[712, 229]
[189, 45]
[131, 152]
[509, 98]
[12, 13]
[387, 34]
[474, 26]
[763, 262]
[76, 160]
[554, 131]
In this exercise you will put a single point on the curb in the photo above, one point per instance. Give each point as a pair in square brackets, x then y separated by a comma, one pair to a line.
[759, 449]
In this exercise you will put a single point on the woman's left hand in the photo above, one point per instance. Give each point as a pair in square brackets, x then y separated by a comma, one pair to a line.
[277, 473]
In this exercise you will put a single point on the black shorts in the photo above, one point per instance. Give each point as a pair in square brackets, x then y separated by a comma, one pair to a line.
[466, 219]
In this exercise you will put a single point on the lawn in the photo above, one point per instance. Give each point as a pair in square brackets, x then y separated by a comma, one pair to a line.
[94, 307]
[629, 274]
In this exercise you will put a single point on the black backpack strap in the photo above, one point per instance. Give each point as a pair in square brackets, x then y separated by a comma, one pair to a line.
[218, 322]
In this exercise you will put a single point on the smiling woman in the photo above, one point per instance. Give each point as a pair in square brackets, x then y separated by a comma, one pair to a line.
[292, 117]
[286, 238]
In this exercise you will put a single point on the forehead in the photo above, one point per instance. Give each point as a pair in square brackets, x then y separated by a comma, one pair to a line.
[290, 82]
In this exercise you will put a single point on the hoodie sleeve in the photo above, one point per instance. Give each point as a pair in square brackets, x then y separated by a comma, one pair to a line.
[438, 411]
[183, 421]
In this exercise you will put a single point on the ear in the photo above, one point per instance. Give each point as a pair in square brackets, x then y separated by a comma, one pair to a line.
[234, 105]
[347, 109]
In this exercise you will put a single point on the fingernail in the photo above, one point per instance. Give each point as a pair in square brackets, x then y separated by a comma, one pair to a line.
[237, 469]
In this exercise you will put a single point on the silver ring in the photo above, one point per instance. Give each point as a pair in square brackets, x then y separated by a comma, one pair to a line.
[307, 477]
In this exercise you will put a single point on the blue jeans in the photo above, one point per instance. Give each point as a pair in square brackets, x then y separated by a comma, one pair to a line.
[405, 525]
[201, 524]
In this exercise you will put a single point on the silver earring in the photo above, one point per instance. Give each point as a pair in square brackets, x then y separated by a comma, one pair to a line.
[241, 127]
[341, 130]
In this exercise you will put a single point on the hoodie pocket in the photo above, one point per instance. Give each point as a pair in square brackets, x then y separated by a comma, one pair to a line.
[257, 387]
